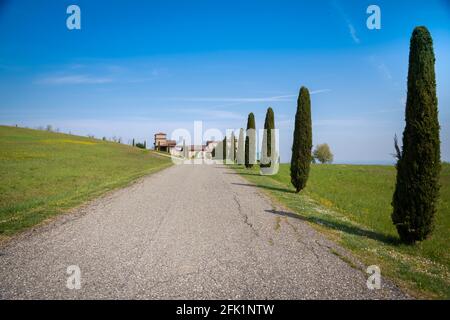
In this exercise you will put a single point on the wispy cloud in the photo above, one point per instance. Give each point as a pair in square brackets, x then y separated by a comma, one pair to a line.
[100, 73]
[351, 123]
[352, 30]
[236, 100]
[386, 110]
[385, 71]
[320, 91]
[211, 113]
[73, 79]
[224, 99]
[382, 68]
[350, 26]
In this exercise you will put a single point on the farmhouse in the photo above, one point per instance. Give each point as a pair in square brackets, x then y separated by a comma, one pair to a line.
[162, 144]
[207, 150]
[201, 151]
[193, 151]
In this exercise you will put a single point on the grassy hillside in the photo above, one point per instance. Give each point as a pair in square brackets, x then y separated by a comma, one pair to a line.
[43, 173]
[352, 204]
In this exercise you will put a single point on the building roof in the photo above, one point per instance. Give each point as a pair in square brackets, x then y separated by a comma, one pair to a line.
[160, 134]
[197, 148]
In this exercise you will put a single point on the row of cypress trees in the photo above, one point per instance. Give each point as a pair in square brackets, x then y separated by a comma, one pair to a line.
[243, 149]
[418, 161]
[301, 148]
[268, 145]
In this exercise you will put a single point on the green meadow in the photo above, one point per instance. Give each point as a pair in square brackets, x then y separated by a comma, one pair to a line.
[352, 205]
[44, 174]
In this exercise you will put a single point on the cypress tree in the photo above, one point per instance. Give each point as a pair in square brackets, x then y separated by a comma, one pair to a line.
[235, 148]
[302, 144]
[418, 166]
[133, 142]
[250, 141]
[240, 156]
[232, 153]
[224, 149]
[266, 150]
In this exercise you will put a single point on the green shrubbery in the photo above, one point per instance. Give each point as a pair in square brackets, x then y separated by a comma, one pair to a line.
[322, 153]
[141, 145]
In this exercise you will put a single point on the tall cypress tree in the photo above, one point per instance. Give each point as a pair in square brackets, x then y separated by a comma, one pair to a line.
[250, 142]
[240, 154]
[266, 150]
[419, 161]
[302, 145]
[233, 148]
[224, 148]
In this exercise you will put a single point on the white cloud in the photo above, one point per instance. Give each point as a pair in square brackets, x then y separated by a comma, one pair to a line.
[382, 68]
[340, 122]
[244, 100]
[320, 91]
[350, 25]
[385, 71]
[100, 73]
[214, 114]
[73, 79]
[353, 32]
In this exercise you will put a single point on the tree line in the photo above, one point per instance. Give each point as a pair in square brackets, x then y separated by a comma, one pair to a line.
[418, 164]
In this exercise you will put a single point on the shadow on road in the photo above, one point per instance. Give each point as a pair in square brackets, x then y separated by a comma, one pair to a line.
[341, 227]
[243, 173]
[264, 187]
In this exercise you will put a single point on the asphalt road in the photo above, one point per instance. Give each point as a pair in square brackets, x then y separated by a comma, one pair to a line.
[188, 232]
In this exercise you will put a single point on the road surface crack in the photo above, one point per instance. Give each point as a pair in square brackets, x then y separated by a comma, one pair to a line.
[244, 215]
[299, 239]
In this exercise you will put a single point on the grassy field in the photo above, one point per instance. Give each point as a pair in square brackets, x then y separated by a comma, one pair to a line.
[352, 205]
[43, 174]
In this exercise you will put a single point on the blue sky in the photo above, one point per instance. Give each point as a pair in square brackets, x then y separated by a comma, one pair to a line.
[139, 67]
